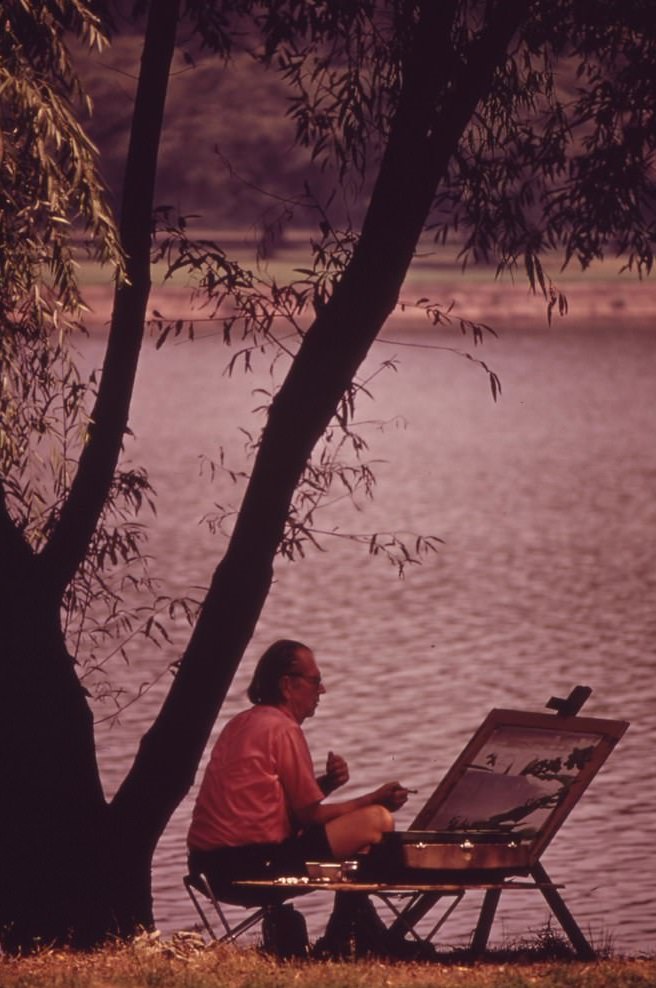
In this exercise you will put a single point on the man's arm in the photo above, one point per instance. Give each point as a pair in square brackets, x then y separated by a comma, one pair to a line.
[391, 795]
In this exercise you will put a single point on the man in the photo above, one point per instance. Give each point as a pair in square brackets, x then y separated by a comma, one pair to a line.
[260, 811]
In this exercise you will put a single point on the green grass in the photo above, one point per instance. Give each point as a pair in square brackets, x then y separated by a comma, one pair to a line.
[184, 962]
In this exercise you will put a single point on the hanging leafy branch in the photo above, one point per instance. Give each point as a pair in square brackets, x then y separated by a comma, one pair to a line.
[52, 205]
[261, 317]
[570, 113]
[50, 194]
[49, 185]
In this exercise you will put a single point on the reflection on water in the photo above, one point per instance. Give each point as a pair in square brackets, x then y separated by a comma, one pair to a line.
[547, 578]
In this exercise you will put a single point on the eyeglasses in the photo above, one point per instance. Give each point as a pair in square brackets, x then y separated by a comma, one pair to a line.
[316, 681]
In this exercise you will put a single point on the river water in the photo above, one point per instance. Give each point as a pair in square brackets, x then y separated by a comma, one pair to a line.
[546, 576]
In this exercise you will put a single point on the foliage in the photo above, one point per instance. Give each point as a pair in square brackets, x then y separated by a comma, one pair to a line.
[48, 170]
[569, 114]
[265, 317]
[50, 198]
[48, 183]
[561, 156]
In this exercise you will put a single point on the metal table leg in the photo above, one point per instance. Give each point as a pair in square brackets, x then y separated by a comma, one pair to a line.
[563, 915]
[415, 910]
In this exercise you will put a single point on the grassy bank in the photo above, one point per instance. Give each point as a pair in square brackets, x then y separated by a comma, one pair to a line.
[182, 963]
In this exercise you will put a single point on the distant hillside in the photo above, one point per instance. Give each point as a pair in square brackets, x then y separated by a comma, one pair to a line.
[218, 118]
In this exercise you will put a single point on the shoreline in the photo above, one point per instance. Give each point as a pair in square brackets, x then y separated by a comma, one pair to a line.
[602, 291]
[504, 308]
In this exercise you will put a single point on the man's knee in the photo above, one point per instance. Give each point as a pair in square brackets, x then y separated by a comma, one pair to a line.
[381, 819]
[355, 831]
[377, 820]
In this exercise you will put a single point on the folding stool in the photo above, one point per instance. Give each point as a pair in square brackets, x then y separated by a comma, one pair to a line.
[197, 885]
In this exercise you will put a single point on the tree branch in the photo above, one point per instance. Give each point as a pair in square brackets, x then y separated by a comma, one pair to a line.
[71, 537]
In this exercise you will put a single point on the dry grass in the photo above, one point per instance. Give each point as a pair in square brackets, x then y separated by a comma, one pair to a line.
[184, 962]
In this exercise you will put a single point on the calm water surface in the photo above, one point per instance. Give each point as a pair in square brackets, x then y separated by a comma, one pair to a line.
[547, 578]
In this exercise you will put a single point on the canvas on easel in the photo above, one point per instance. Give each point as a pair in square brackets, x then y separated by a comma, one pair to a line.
[517, 780]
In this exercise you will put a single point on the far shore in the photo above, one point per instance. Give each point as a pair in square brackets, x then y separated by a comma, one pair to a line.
[602, 292]
[503, 307]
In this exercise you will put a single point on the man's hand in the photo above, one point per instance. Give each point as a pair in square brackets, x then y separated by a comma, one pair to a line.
[337, 773]
[391, 795]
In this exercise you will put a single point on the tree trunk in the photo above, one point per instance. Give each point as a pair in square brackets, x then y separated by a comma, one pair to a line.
[53, 806]
[66, 874]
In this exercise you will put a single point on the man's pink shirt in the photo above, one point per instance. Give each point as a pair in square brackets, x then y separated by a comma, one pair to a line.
[259, 775]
